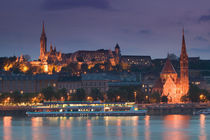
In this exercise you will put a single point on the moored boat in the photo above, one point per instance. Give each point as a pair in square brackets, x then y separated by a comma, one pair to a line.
[86, 109]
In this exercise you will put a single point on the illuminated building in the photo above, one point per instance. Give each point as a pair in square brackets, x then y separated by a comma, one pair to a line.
[26, 83]
[169, 84]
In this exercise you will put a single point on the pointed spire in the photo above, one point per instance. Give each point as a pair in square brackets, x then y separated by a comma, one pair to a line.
[43, 29]
[184, 51]
[51, 47]
[117, 46]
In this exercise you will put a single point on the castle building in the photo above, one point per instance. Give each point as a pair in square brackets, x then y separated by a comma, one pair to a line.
[169, 84]
[51, 60]
[51, 56]
[98, 56]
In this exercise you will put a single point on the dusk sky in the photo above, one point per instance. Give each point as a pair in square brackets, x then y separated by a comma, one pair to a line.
[141, 27]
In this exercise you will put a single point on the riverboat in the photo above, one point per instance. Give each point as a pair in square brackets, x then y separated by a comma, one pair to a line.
[86, 109]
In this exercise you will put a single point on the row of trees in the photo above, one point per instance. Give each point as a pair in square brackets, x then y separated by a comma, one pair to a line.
[51, 94]
[121, 94]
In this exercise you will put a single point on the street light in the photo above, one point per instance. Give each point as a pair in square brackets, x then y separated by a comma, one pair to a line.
[135, 96]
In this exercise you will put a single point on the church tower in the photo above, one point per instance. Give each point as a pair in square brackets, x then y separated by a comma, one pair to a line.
[184, 75]
[43, 43]
[117, 53]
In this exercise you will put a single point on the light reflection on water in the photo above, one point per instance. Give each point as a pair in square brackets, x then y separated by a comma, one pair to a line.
[176, 126]
[170, 127]
[7, 123]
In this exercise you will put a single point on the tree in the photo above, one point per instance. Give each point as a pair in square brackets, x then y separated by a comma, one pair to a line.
[80, 95]
[185, 98]
[96, 94]
[48, 93]
[16, 96]
[164, 99]
[194, 93]
[111, 94]
[155, 97]
[61, 93]
[71, 68]
[140, 96]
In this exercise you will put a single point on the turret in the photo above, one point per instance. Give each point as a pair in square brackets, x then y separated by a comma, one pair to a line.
[117, 49]
[51, 47]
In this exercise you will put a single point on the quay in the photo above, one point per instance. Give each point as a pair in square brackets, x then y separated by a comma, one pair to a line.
[152, 109]
[165, 109]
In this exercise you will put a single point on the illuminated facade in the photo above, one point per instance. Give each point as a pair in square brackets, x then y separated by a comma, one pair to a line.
[169, 84]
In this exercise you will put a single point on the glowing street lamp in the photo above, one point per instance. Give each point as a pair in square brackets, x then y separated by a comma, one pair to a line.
[135, 96]
[202, 97]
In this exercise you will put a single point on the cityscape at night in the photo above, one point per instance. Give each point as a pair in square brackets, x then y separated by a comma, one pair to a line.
[102, 69]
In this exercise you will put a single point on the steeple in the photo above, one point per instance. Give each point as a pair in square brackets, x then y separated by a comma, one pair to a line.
[184, 51]
[43, 43]
[43, 30]
[184, 74]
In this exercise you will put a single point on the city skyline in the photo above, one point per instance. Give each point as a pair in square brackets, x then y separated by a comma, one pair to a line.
[139, 27]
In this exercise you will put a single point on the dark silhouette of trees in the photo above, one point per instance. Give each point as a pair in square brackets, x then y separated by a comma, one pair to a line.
[194, 93]
[164, 99]
[80, 95]
[155, 97]
[96, 94]
[48, 93]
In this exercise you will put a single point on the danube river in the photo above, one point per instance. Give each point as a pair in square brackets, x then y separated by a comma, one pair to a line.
[169, 127]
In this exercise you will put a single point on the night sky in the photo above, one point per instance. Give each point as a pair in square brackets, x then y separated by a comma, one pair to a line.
[141, 27]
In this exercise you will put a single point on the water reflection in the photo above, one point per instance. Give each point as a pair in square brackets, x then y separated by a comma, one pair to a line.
[170, 127]
[175, 127]
[65, 126]
[36, 124]
[147, 127]
[202, 127]
[89, 129]
[119, 130]
[7, 124]
[135, 120]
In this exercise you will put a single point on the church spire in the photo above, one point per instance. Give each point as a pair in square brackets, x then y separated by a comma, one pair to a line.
[184, 51]
[184, 73]
[43, 43]
[43, 29]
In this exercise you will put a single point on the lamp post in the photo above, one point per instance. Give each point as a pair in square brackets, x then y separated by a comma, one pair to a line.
[135, 96]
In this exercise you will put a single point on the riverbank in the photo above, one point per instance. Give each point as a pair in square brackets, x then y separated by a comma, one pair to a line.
[152, 109]
[166, 109]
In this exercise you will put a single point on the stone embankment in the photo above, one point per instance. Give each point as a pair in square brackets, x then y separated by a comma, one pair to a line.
[14, 110]
[152, 109]
[165, 109]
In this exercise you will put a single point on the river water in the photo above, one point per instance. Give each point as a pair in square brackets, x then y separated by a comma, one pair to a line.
[169, 127]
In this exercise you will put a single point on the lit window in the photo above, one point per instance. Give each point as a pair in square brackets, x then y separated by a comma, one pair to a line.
[54, 84]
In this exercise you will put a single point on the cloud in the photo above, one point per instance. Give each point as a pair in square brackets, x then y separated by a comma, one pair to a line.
[200, 38]
[70, 4]
[200, 50]
[204, 18]
[145, 32]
